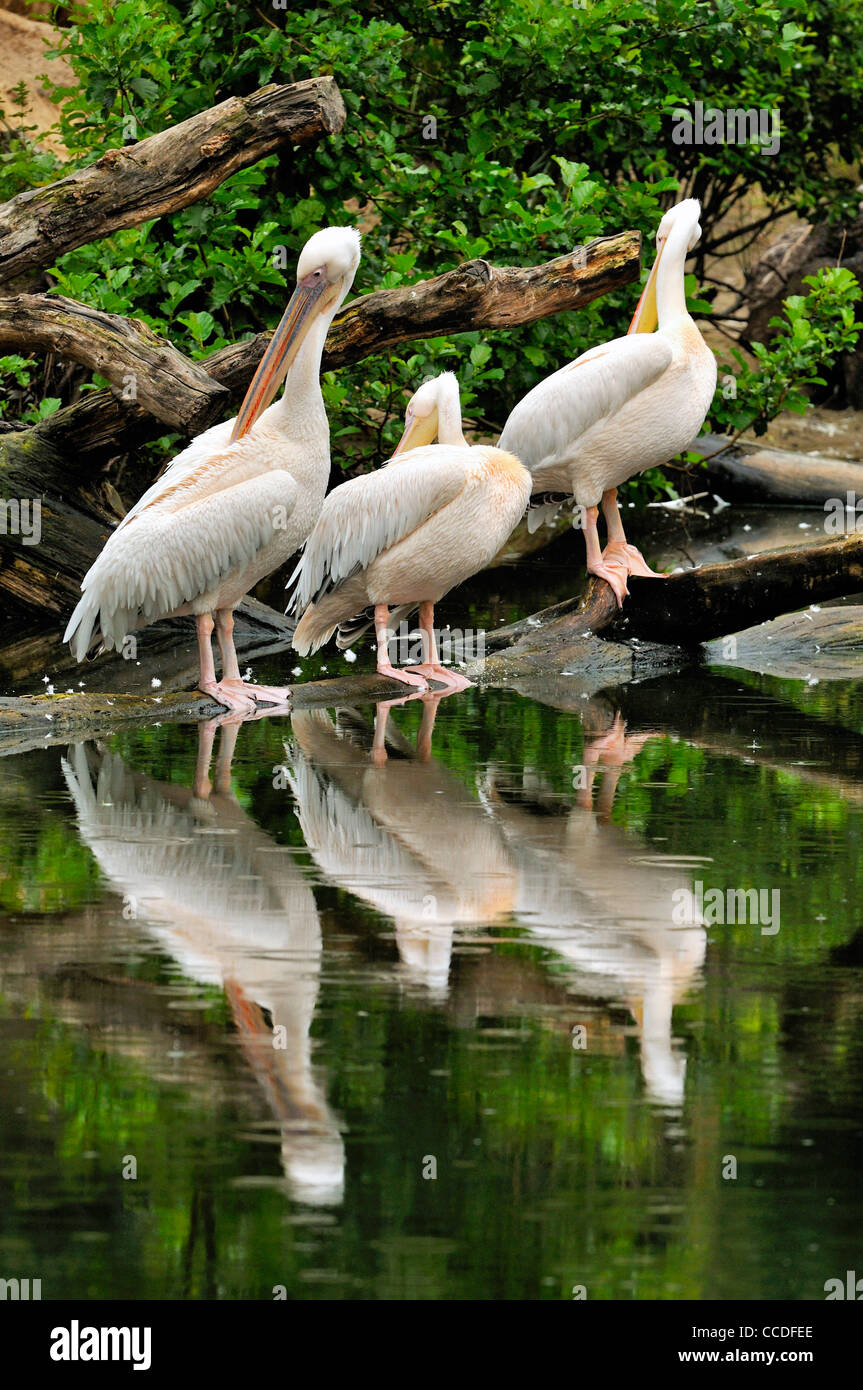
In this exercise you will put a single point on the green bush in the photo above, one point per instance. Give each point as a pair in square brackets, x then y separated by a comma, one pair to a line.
[550, 123]
[814, 330]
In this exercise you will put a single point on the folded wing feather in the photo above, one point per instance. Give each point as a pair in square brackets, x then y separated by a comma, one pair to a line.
[560, 410]
[368, 515]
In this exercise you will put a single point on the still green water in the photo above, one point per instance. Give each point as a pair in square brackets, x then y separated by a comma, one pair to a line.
[427, 1028]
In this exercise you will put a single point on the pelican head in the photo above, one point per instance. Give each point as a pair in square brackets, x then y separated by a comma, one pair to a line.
[325, 272]
[682, 226]
[433, 412]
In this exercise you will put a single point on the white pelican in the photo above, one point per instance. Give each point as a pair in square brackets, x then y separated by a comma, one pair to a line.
[406, 534]
[623, 406]
[235, 504]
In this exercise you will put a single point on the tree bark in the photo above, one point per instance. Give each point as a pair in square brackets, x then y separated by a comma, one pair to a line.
[163, 173]
[474, 295]
[747, 473]
[173, 389]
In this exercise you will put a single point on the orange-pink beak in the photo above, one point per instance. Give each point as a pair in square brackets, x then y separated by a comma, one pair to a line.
[304, 305]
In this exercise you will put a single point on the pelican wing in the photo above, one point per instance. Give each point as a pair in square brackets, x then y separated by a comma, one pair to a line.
[210, 464]
[366, 516]
[546, 423]
[167, 555]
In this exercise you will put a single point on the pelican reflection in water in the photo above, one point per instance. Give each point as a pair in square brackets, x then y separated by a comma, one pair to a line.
[235, 911]
[602, 900]
[401, 832]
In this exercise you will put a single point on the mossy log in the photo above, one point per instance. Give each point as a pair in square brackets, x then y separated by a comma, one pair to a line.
[163, 173]
[169, 386]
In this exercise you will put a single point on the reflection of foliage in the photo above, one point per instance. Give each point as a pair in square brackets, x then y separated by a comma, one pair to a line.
[574, 1179]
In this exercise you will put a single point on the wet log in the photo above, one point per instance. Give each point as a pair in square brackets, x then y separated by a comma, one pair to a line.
[747, 473]
[173, 389]
[163, 173]
[30, 721]
[691, 608]
[826, 645]
[667, 621]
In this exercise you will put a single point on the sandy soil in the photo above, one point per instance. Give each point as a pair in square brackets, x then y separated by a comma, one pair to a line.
[23, 44]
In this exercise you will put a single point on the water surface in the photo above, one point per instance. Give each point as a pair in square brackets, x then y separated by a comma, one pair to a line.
[419, 1023]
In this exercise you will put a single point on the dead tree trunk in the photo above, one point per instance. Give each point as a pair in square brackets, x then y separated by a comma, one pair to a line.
[673, 615]
[174, 390]
[163, 173]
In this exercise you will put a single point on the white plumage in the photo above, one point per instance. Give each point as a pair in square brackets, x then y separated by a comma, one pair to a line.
[622, 407]
[238, 502]
[404, 536]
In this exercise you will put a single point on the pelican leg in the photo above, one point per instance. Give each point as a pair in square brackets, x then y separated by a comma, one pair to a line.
[233, 699]
[231, 678]
[611, 570]
[431, 666]
[618, 550]
[385, 666]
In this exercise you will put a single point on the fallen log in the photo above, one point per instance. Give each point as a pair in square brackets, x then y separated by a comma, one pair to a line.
[823, 646]
[29, 721]
[691, 608]
[667, 621]
[166, 384]
[745, 472]
[164, 173]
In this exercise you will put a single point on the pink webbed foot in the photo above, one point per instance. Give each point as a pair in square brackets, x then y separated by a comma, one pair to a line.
[615, 574]
[406, 677]
[621, 552]
[266, 694]
[233, 699]
[450, 680]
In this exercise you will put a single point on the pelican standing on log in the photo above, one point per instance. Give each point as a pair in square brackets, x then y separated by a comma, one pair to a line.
[622, 407]
[238, 502]
[405, 535]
